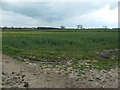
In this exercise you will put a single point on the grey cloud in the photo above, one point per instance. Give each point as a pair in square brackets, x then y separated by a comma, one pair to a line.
[113, 5]
[50, 12]
[53, 13]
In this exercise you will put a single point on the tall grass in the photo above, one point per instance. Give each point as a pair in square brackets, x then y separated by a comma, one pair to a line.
[56, 45]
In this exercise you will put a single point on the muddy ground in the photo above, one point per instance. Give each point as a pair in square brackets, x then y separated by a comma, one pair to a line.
[28, 75]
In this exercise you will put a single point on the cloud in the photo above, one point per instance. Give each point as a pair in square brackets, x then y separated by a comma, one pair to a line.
[107, 15]
[60, 1]
[14, 19]
[50, 12]
[103, 16]
[56, 14]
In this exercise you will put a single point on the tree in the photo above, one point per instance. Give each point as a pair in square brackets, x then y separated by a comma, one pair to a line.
[62, 27]
[80, 26]
[5, 27]
[105, 27]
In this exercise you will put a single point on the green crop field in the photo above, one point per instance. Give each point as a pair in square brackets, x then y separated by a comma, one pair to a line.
[62, 46]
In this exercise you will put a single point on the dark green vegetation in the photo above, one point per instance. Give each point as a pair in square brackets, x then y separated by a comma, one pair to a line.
[63, 46]
[59, 30]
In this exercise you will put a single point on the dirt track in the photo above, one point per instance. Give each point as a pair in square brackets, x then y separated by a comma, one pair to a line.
[28, 75]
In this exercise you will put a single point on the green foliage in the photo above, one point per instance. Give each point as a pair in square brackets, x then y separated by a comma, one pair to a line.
[11, 50]
[105, 64]
[59, 45]
[62, 47]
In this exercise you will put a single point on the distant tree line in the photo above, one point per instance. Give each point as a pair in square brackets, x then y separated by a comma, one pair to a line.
[43, 28]
[54, 28]
[47, 28]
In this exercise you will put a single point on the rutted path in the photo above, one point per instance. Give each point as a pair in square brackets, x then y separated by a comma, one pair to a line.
[28, 75]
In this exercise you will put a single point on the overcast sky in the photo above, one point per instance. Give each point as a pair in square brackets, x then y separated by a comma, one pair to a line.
[69, 14]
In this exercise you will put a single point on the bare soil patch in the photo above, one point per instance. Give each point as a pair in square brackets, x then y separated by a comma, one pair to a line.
[29, 75]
